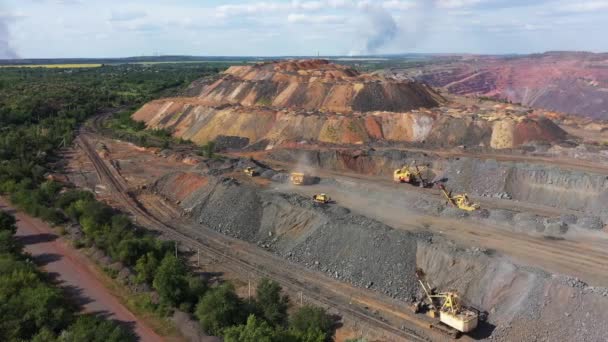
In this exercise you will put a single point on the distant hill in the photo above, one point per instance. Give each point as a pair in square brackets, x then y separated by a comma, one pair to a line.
[568, 82]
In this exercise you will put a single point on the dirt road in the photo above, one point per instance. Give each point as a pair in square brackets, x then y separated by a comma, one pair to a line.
[74, 272]
[381, 314]
[585, 257]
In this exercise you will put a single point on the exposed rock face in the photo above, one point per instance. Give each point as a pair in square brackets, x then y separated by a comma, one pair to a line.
[316, 85]
[574, 83]
[292, 101]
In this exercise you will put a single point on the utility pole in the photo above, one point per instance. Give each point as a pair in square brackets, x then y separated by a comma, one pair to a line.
[301, 299]
[198, 257]
[249, 288]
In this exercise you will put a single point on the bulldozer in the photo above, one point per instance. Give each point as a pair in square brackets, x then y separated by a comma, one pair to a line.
[454, 316]
[410, 174]
[461, 201]
[251, 172]
[321, 198]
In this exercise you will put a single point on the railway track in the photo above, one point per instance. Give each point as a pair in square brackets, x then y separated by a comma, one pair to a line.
[293, 277]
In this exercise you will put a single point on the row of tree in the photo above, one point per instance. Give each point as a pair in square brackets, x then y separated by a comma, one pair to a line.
[40, 110]
[32, 309]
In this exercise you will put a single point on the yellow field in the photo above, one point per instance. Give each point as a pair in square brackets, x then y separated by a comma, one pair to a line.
[58, 66]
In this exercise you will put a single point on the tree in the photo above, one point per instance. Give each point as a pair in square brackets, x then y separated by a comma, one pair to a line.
[8, 222]
[311, 321]
[146, 268]
[255, 330]
[270, 303]
[96, 329]
[8, 244]
[219, 308]
[170, 280]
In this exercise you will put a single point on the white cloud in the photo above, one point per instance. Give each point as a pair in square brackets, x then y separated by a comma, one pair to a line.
[127, 15]
[399, 5]
[298, 18]
[583, 6]
[457, 3]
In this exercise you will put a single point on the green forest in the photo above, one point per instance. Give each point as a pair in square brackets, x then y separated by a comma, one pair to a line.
[40, 112]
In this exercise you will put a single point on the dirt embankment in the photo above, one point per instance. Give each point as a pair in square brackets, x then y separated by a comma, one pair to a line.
[270, 104]
[523, 302]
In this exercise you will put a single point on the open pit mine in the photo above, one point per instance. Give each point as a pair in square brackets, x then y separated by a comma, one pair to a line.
[413, 214]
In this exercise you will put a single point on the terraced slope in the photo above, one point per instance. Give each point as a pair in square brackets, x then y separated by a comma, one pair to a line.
[313, 100]
[568, 82]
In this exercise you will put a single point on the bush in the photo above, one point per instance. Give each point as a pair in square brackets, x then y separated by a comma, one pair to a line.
[311, 321]
[170, 280]
[270, 303]
[255, 330]
[8, 222]
[219, 308]
[95, 329]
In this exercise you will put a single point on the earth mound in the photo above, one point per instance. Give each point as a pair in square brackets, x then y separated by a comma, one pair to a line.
[278, 103]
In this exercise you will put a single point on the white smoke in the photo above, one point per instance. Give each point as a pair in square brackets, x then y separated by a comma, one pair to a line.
[405, 32]
[6, 52]
[383, 26]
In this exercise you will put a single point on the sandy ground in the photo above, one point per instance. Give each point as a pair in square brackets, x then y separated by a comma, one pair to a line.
[74, 272]
[584, 257]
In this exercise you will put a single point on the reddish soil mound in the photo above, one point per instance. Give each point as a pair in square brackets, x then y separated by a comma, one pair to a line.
[574, 83]
[181, 184]
[537, 130]
[273, 103]
[316, 85]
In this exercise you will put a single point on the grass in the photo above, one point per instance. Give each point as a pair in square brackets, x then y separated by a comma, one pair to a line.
[51, 66]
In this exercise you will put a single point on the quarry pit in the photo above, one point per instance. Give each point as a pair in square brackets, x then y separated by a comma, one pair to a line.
[534, 257]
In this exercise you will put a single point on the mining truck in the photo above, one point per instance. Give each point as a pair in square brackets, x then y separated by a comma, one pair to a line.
[299, 178]
[461, 201]
[454, 318]
[321, 198]
[410, 174]
[251, 172]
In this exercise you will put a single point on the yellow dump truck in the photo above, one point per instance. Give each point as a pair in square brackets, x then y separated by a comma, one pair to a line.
[251, 172]
[299, 178]
[321, 198]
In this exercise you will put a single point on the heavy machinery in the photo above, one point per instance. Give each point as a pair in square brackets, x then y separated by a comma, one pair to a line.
[410, 174]
[251, 172]
[461, 201]
[321, 198]
[299, 178]
[448, 307]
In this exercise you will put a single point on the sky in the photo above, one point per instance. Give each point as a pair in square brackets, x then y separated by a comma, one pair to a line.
[122, 28]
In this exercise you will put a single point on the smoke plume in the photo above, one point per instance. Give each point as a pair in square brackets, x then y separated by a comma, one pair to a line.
[384, 28]
[6, 52]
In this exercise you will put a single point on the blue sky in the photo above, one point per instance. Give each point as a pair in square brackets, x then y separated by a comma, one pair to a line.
[119, 28]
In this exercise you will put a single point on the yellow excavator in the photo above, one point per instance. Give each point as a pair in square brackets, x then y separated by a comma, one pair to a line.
[410, 174]
[461, 201]
[321, 198]
[448, 307]
[251, 172]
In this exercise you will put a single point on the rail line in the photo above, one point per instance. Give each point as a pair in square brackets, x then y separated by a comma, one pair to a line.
[291, 277]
